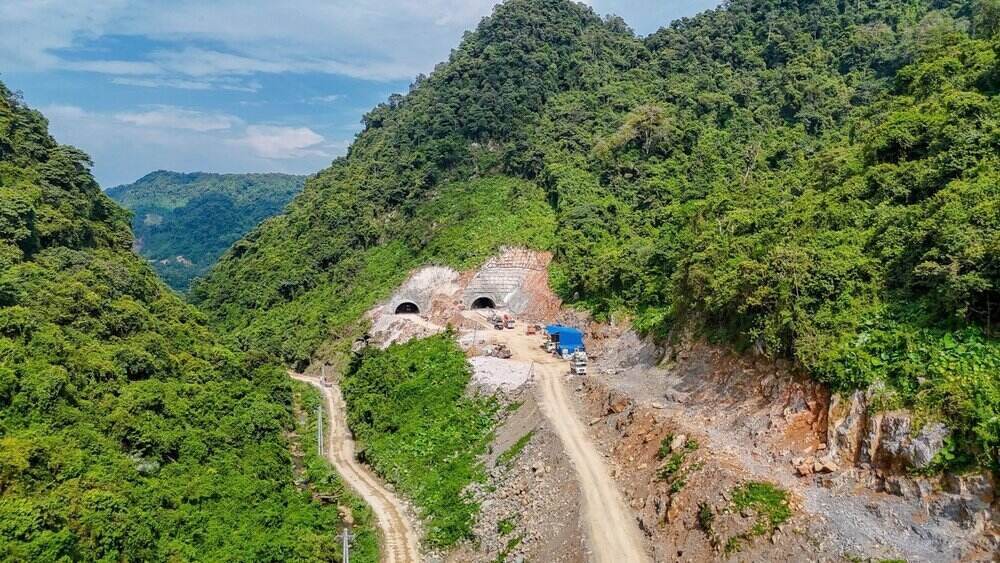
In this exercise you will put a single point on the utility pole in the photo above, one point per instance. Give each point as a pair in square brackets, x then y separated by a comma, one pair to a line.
[345, 537]
[319, 430]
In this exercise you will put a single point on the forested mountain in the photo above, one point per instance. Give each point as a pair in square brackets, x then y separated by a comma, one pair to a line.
[814, 179]
[128, 432]
[184, 222]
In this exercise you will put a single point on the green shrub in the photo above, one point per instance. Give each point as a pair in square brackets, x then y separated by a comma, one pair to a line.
[415, 426]
[767, 501]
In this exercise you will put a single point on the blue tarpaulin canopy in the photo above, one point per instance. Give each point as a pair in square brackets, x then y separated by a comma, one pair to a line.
[567, 339]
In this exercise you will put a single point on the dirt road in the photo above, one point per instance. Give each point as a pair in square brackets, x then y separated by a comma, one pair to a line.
[612, 531]
[399, 538]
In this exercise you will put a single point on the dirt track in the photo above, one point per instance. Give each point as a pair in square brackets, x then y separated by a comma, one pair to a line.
[613, 533]
[399, 538]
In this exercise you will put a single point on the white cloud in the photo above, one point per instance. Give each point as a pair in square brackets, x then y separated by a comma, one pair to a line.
[274, 142]
[151, 141]
[378, 40]
[131, 68]
[328, 99]
[63, 111]
[171, 117]
[389, 39]
[223, 83]
[180, 84]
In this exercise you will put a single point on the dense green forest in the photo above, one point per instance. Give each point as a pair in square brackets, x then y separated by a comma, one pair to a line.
[811, 179]
[128, 431]
[198, 216]
[462, 226]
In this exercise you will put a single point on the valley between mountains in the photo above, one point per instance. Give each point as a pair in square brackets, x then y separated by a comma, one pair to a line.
[725, 292]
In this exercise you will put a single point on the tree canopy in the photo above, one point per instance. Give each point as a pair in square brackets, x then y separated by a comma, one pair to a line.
[128, 430]
[811, 179]
[184, 222]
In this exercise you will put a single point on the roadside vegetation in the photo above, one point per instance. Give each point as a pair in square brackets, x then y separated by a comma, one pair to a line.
[508, 457]
[418, 430]
[676, 466]
[813, 180]
[323, 481]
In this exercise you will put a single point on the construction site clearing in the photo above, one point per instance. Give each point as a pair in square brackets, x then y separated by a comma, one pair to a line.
[508, 294]
[754, 417]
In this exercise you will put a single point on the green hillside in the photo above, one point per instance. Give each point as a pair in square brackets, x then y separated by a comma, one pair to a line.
[816, 180]
[128, 431]
[184, 222]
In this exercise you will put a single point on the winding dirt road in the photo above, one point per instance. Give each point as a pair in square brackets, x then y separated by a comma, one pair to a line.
[612, 531]
[399, 538]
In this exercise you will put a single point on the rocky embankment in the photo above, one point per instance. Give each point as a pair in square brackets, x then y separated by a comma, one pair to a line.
[849, 475]
[530, 505]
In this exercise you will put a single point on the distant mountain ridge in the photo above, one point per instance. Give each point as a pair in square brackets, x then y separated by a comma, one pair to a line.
[183, 222]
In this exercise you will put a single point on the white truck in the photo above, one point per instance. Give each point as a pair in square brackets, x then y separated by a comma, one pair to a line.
[578, 363]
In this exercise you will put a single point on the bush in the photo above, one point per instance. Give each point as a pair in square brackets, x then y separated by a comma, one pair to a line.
[415, 427]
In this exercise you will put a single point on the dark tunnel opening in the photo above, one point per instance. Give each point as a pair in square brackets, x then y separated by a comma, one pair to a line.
[407, 308]
[484, 303]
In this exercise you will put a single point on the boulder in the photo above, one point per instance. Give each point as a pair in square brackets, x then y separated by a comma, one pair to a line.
[967, 511]
[926, 444]
[902, 486]
[677, 443]
[896, 447]
[826, 465]
[870, 444]
[806, 466]
[979, 485]
[847, 419]
[616, 402]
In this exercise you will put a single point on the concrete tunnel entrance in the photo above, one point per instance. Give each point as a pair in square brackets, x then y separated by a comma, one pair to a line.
[407, 308]
[484, 303]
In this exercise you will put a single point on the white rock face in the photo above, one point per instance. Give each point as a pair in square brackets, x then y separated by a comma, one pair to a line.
[502, 279]
[497, 374]
[424, 286]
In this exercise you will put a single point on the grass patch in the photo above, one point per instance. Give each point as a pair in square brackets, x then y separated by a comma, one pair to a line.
[672, 466]
[505, 552]
[515, 450]
[513, 406]
[506, 526]
[705, 517]
[733, 545]
[768, 502]
[675, 470]
[418, 430]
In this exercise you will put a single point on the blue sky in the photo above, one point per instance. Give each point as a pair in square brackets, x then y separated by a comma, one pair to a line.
[234, 85]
